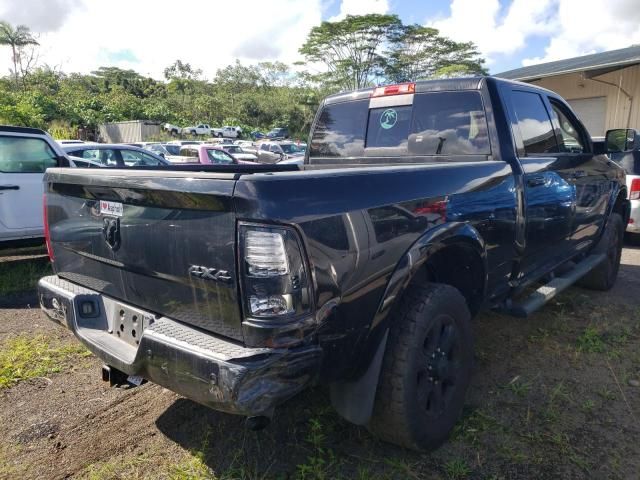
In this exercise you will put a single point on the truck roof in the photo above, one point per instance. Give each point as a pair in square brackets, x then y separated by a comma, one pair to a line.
[460, 83]
[14, 129]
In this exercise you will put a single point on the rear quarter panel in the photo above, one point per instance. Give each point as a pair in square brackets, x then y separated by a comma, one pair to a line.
[357, 223]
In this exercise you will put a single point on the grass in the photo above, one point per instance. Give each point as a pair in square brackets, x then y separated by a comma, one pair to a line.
[23, 357]
[130, 468]
[22, 275]
[591, 341]
[456, 469]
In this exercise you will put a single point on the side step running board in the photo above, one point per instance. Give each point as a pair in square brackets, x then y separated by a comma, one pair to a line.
[546, 292]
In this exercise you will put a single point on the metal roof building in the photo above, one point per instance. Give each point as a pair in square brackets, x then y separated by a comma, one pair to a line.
[603, 88]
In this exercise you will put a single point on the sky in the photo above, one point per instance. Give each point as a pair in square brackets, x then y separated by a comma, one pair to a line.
[148, 35]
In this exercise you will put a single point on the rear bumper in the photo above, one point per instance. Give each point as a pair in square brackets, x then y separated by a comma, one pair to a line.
[634, 220]
[212, 371]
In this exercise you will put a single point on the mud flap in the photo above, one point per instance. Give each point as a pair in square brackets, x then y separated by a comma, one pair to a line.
[354, 400]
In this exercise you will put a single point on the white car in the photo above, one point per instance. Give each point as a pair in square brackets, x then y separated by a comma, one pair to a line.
[238, 152]
[200, 129]
[172, 129]
[226, 132]
[25, 153]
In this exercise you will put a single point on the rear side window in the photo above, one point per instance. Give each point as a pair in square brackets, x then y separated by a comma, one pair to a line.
[449, 123]
[340, 130]
[534, 123]
[438, 123]
[25, 155]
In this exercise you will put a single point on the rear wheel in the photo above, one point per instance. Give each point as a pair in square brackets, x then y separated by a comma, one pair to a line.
[603, 277]
[426, 368]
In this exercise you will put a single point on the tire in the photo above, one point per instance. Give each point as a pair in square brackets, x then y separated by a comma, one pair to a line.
[603, 277]
[424, 377]
[219, 135]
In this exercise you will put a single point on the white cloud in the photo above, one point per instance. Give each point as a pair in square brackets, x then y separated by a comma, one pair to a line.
[361, 7]
[209, 35]
[573, 27]
[495, 31]
[588, 26]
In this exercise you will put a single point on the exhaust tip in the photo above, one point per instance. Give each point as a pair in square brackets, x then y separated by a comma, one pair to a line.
[257, 423]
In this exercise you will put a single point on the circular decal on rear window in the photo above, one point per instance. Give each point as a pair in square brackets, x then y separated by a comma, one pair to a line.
[388, 118]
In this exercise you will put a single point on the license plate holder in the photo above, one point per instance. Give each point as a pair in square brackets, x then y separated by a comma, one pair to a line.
[128, 324]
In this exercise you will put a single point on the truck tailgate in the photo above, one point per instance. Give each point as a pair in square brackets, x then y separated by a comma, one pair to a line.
[160, 240]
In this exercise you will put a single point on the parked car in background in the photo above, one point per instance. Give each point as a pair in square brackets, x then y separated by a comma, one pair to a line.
[155, 147]
[209, 154]
[623, 147]
[227, 132]
[114, 155]
[238, 152]
[274, 152]
[280, 132]
[25, 154]
[257, 135]
[172, 129]
[200, 129]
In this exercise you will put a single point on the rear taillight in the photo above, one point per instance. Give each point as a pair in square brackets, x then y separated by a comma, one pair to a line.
[47, 235]
[634, 193]
[274, 275]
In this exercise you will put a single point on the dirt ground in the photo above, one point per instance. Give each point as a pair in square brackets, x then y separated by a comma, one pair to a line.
[553, 396]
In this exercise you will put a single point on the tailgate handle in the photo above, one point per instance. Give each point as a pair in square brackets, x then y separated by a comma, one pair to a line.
[9, 187]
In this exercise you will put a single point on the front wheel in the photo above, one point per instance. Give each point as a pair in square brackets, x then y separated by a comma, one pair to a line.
[603, 277]
[426, 368]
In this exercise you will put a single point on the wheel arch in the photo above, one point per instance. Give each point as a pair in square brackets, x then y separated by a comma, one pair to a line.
[425, 261]
[441, 256]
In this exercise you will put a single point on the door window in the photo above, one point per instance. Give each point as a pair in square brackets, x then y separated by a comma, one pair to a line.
[25, 155]
[218, 156]
[569, 136]
[132, 158]
[534, 123]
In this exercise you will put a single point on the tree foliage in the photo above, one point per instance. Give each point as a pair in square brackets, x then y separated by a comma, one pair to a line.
[350, 49]
[355, 52]
[418, 52]
[365, 50]
[17, 38]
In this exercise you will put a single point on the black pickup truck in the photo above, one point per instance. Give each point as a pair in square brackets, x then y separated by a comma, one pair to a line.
[418, 205]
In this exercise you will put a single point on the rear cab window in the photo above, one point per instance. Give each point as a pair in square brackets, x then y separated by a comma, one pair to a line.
[447, 123]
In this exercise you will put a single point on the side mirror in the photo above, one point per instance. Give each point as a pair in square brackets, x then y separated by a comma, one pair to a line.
[620, 140]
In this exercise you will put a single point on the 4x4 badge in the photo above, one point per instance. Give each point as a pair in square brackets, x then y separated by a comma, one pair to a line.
[207, 273]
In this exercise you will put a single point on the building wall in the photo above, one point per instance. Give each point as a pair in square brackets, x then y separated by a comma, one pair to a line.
[127, 132]
[622, 112]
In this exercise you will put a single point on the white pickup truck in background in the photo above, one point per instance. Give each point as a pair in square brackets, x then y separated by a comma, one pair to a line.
[226, 132]
[200, 129]
[172, 129]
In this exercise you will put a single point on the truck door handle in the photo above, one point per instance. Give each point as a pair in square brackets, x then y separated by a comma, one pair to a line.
[536, 181]
[579, 174]
[9, 187]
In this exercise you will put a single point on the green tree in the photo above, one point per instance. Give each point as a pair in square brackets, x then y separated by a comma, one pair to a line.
[17, 38]
[350, 49]
[181, 77]
[418, 52]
